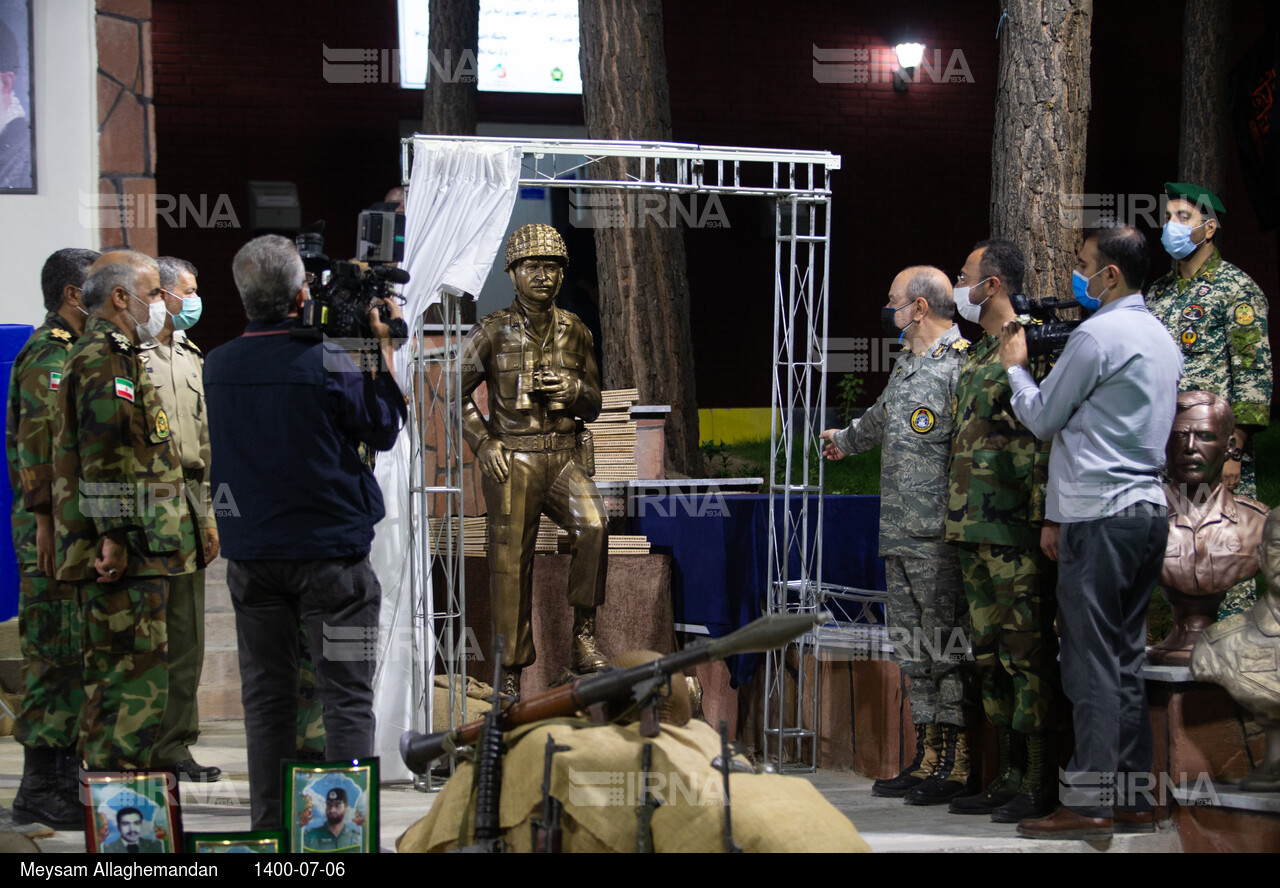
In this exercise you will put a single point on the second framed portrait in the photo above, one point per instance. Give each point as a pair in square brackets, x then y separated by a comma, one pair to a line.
[331, 807]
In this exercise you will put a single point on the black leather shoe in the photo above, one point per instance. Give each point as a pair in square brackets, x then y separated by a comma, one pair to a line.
[198, 773]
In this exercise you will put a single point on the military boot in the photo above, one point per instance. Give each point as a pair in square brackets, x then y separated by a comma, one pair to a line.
[586, 655]
[69, 775]
[1034, 798]
[951, 773]
[913, 774]
[38, 799]
[1010, 763]
[511, 682]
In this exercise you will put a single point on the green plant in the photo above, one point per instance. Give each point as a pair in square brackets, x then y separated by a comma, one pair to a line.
[848, 392]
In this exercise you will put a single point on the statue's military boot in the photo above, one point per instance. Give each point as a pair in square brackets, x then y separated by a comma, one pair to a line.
[39, 799]
[1010, 763]
[511, 682]
[586, 655]
[950, 775]
[913, 774]
[1034, 798]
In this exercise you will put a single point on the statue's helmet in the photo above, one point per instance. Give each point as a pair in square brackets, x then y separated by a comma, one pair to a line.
[535, 239]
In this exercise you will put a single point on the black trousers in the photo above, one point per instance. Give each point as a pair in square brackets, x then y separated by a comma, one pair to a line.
[1107, 569]
[339, 599]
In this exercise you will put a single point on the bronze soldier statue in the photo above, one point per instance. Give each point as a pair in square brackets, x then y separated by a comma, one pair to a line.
[543, 385]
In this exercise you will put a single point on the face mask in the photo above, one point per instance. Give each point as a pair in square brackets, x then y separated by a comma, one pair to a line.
[887, 316]
[156, 315]
[191, 308]
[1080, 289]
[82, 311]
[1176, 239]
[967, 309]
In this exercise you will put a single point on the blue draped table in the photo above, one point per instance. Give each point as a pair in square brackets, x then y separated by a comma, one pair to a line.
[719, 545]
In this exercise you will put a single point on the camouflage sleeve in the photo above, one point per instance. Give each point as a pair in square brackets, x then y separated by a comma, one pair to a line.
[475, 358]
[107, 388]
[865, 432]
[38, 379]
[1039, 482]
[1250, 356]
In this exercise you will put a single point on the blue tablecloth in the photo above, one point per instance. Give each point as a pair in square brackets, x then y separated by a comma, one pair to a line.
[720, 547]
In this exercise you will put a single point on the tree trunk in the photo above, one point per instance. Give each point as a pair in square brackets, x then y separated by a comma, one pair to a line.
[1206, 33]
[644, 289]
[449, 101]
[1038, 149]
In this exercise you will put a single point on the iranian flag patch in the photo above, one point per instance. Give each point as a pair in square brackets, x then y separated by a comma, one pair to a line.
[55, 380]
[124, 389]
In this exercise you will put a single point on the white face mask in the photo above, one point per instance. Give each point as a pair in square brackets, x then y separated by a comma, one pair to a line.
[967, 309]
[156, 316]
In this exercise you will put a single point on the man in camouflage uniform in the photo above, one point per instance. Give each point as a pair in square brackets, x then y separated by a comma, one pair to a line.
[121, 523]
[995, 509]
[48, 613]
[542, 380]
[1218, 317]
[175, 368]
[927, 616]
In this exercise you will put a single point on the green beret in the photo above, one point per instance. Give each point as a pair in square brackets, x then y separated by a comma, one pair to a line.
[1194, 194]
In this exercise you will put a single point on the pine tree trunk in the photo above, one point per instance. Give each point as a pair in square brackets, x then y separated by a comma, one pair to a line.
[1038, 149]
[1206, 34]
[644, 290]
[449, 101]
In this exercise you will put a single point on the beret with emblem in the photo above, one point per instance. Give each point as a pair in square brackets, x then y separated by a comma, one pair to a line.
[1201, 197]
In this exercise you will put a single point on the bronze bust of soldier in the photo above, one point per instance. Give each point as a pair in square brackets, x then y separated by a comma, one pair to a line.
[1213, 535]
[543, 385]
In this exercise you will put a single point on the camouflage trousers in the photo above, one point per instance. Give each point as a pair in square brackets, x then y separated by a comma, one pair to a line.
[928, 627]
[1013, 640]
[1242, 595]
[310, 709]
[49, 638]
[126, 671]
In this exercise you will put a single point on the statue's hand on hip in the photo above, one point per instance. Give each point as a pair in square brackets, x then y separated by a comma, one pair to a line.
[493, 460]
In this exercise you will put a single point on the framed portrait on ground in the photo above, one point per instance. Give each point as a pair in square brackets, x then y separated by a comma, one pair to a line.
[331, 806]
[17, 99]
[132, 812]
[267, 841]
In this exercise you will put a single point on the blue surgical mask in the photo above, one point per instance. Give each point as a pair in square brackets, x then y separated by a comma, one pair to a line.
[1176, 239]
[1080, 289]
[186, 319]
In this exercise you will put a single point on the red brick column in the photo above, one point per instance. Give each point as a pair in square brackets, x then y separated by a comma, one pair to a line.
[126, 125]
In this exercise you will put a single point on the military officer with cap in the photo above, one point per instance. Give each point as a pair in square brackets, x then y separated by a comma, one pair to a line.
[1217, 316]
[121, 526]
[927, 614]
[335, 834]
[543, 384]
[47, 722]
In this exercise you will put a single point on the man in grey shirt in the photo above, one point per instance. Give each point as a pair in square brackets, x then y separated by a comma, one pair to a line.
[1109, 405]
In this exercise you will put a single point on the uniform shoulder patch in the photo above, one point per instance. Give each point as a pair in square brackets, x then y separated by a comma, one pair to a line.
[1244, 314]
[60, 335]
[187, 343]
[162, 424]
[937, 352]
[120, 342]
[124, 389]
[922, 420]
[961, 344]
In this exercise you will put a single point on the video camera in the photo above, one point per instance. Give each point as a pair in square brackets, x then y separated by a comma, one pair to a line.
[342, 292]
[1049, 337]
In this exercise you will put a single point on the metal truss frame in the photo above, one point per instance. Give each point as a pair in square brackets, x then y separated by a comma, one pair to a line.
[799, 183]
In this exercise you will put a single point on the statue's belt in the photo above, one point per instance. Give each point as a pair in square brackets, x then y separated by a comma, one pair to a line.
[539, 443]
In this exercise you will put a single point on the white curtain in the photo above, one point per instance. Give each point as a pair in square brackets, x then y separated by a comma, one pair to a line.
[460, 199]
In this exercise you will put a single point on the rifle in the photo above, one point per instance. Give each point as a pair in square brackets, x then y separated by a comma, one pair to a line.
[488, 829]
[648, 804]
[726, 765]
[546, 827]
[638, 683]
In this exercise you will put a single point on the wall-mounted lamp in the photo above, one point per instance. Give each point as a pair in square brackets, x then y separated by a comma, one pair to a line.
[909, 55]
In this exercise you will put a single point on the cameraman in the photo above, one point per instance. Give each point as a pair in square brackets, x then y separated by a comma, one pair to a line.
[296, 509]
[1108, 404]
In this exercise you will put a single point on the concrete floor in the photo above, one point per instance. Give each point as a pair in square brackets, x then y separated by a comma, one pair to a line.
[886, 824]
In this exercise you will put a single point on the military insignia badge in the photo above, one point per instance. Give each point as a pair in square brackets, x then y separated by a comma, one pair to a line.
[162, 424]
[1244, 314]
[122, 342]
[922, 420]
[124, 389]
[59, 333]
[1189, 336]
[937, 352]
[1203, 291]
[55, 380]
[1193, 312]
